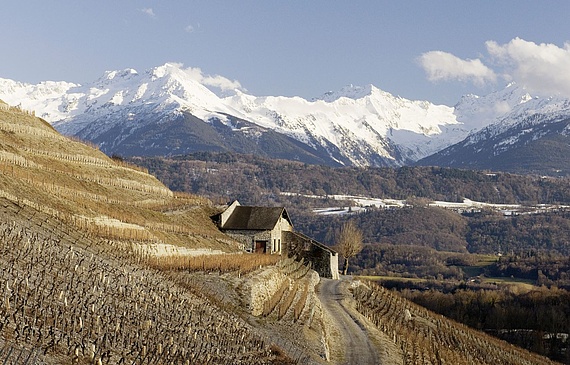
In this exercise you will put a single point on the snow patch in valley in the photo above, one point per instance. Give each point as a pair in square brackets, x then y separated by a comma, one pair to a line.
[358, 204]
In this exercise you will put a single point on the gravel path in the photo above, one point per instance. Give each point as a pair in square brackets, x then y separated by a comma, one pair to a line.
[354, 340]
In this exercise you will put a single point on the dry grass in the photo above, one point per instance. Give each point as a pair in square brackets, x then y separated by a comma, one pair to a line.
[242, 263]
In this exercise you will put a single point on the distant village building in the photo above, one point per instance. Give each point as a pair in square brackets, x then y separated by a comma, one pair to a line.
[270, 230]
[4, 106]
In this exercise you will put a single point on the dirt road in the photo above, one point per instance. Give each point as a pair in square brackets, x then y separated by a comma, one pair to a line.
[352, 343]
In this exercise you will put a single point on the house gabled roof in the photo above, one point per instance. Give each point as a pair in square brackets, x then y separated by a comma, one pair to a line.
[255, 218]
[322, 246]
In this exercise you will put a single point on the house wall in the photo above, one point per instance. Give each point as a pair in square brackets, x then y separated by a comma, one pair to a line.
[248, 238]
[278, 239]
[228, 212]
[323, 260]
[275, 238]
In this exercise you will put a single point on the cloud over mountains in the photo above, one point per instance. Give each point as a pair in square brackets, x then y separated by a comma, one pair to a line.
[543, 68]
[443, 66]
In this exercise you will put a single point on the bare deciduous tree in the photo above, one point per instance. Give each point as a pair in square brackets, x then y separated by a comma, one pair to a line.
[349, 242]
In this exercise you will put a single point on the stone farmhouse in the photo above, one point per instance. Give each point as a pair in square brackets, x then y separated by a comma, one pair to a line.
[270, 230]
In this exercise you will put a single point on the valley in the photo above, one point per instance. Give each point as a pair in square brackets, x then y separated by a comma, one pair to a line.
[430, 239]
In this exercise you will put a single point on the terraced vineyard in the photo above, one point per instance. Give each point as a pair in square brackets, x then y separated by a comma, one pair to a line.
[75, 280]
[74, 306]
[427, 338]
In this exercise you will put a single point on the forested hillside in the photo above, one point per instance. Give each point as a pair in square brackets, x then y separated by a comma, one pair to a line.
[444, 230]
[256, 180]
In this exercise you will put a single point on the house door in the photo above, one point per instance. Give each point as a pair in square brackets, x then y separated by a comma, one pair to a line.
[260, 246]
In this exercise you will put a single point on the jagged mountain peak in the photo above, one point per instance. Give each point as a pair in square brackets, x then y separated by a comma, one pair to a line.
[356, 92]
[168, 69]
[126, 73]
[479, 111]
[349, 91]
[512, 93]
[132, 96]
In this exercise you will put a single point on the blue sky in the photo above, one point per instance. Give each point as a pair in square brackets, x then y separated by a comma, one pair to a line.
[428, 50]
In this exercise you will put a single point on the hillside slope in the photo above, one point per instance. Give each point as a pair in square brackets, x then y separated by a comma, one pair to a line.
[77, 231]
[81, 186]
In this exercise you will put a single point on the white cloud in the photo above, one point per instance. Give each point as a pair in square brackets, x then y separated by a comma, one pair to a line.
[443, 66]
[543, 68]
[501, 107]
[192, 28]
[216, 81]
[149, 12]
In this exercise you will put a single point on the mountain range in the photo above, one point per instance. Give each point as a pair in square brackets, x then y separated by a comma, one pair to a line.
[167, 110]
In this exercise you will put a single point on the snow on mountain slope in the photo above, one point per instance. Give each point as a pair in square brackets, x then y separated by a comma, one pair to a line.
[513, 108]
[530, 135]
[44, 98]
[70, 106]
[479, 109]
[129, 95]
[358, 125]
[381, 123]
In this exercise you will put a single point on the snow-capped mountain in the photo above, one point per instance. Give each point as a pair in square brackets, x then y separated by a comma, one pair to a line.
[168, 110]
[531, 134]
[367, 124]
